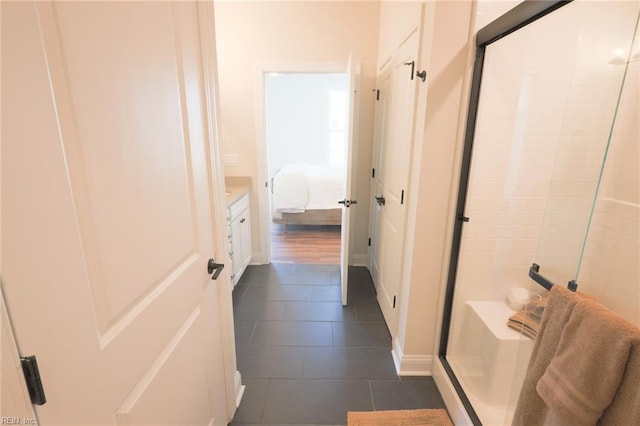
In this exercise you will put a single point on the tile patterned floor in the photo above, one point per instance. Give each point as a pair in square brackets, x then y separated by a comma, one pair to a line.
[306, 359]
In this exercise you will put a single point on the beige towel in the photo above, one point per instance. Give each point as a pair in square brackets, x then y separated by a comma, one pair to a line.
[625, 408]
[524, 324]
[583, 377]
[531, 410]
[528, 320]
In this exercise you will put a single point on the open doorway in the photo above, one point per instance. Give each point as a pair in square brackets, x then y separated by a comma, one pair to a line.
[306, 126]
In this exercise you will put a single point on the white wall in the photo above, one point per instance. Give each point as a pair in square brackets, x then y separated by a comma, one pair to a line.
[395, 18]
[489, 10]
[448, 70]
[611, 266]
[445, 53]
[253, 35]
[298, 117]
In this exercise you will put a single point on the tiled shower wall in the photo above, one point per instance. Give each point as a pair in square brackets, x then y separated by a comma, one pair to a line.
[611, 265]
[548, 99]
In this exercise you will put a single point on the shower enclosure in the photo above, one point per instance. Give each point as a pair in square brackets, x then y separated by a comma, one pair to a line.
[550, 186]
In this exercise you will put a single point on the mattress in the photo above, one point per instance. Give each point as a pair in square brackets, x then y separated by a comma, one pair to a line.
[296, 188]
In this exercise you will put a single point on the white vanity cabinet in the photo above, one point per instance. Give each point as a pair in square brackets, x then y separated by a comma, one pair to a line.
[239, 219]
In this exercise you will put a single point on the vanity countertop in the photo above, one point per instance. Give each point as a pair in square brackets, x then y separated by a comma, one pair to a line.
[236, 187]
[234, 192]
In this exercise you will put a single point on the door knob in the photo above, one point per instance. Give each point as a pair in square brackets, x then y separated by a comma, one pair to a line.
[347, 203]
[214, 268]
[380, 200]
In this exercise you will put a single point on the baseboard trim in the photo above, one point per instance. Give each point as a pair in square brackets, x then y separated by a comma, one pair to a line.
[238, 388]
[411, 365]
[360, 260]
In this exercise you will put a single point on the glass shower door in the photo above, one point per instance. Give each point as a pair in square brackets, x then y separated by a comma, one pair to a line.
[548, 98]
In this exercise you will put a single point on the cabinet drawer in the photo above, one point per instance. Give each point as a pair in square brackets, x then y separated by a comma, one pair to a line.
[238, 207]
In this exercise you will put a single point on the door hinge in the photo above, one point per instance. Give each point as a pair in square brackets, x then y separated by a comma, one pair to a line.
[402, 197]
[373, 173]
[369, 241]
[394, 302]
[32, 377]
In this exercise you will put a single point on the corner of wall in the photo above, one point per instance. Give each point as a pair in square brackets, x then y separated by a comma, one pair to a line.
[447, 49]
[410, 365]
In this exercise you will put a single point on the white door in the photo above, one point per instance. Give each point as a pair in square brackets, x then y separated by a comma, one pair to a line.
[14, 396]
[377, 173]
[348, 202]
[392, 180]
[107, 211]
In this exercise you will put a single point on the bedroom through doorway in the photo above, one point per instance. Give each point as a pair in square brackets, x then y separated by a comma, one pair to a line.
[306, 125]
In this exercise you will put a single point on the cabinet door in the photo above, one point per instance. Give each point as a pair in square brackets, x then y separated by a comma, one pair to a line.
[236, 247]
[245, 238]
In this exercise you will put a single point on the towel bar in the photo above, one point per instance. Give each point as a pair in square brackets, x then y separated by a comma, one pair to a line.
[534, 274]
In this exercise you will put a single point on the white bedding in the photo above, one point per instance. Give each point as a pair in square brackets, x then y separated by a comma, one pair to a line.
[300, 187]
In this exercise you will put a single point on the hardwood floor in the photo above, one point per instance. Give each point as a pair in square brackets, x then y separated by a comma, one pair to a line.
[305, 244]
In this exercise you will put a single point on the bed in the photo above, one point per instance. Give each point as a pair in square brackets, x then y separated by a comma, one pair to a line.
[306, 194]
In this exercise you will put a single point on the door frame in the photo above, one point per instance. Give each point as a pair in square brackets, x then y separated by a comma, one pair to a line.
[233, 380]
[261, 139]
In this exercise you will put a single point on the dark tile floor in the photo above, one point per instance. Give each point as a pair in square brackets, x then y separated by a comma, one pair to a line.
[306, 359]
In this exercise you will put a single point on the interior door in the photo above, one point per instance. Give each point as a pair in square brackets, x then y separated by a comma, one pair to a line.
[383, 96]
[391, 182]
[14, 395]
[345, 230]
[107, 211]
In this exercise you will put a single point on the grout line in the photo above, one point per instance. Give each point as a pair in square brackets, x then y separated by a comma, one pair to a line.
[373, 404]
[253, 330]
[333, 343]
[266, 398]
[304, 359]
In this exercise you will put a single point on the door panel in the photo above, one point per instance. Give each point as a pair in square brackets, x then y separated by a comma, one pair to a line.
[381, 135]
[176, 366]
[84, 48]
[393, 180]
[353, 71]
[236, 247]
[247, 252]
[106, 203]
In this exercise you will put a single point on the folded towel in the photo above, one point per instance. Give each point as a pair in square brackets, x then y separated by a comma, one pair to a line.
[625, 408]
[524, 324]
[531, 410]
[528, 320]
[582, 379]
